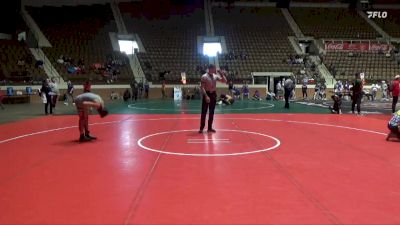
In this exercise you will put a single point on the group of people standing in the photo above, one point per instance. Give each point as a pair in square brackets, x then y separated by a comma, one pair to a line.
[357, 91]
[136, 91]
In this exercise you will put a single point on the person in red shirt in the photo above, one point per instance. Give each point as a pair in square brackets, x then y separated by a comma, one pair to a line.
[87, 87]
[395, 92]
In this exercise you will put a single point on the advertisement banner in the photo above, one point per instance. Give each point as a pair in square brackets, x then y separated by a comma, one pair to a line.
[177, 93]
[363, 46]
[377, 47]
[333, 46]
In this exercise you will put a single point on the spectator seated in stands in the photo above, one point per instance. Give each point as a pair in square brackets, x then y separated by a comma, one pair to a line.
[242, 56]
[368, 94]
[298, 59]
[271, 96]
[81, 62]
[21, 62]
[230, 56]
[68, 61]
[256, 96]
[39, 64]
[114, 75]
[96, 66]
[60, 60]
[114, 95]
[188, 94]
[290, 59]
[106, 74]
[245, 91]
[236, 92]
[127, 95]
[74, 70]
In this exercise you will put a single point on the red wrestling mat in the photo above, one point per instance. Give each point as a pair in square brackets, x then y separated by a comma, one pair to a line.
[156, 169]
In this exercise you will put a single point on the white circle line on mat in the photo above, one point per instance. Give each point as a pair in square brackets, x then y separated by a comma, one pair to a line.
[139, 142]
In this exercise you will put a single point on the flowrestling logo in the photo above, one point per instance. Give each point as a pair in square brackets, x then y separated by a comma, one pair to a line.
[377, 14]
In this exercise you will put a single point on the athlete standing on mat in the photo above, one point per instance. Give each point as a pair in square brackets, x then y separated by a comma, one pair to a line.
[83, 102]
[208, 90]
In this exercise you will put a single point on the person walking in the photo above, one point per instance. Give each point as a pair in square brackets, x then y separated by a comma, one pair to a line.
[288, 86]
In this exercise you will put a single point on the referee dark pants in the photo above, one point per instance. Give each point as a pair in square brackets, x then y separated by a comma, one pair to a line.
[356, 100]
[204, 107]
[394, 103]
[287, 96]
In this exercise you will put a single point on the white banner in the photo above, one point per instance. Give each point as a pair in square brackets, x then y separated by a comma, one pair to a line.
[177, 93]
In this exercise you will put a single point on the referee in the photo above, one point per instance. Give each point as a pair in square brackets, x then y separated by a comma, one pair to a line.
[208, 90]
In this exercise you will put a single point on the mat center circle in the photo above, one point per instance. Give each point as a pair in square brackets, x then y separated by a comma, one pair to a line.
[225, 142]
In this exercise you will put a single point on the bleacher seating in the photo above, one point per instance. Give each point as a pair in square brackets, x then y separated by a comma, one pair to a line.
[261, 34]
[375, 66]
[13, 51]
[81, 32]
[169, 36]
[332, 23]
[17, 64]
[257, 38]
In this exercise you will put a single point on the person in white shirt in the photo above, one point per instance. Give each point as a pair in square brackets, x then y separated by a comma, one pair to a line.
[208, 90]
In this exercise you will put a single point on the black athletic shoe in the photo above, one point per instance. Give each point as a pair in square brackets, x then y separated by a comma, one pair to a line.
[200, 131]
[83, 138]
[211, 130]
[90, 137]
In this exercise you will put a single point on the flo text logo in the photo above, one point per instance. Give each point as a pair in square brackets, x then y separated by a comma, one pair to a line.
[377, 14]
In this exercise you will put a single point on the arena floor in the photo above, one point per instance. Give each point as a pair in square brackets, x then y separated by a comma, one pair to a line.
[265, 165]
